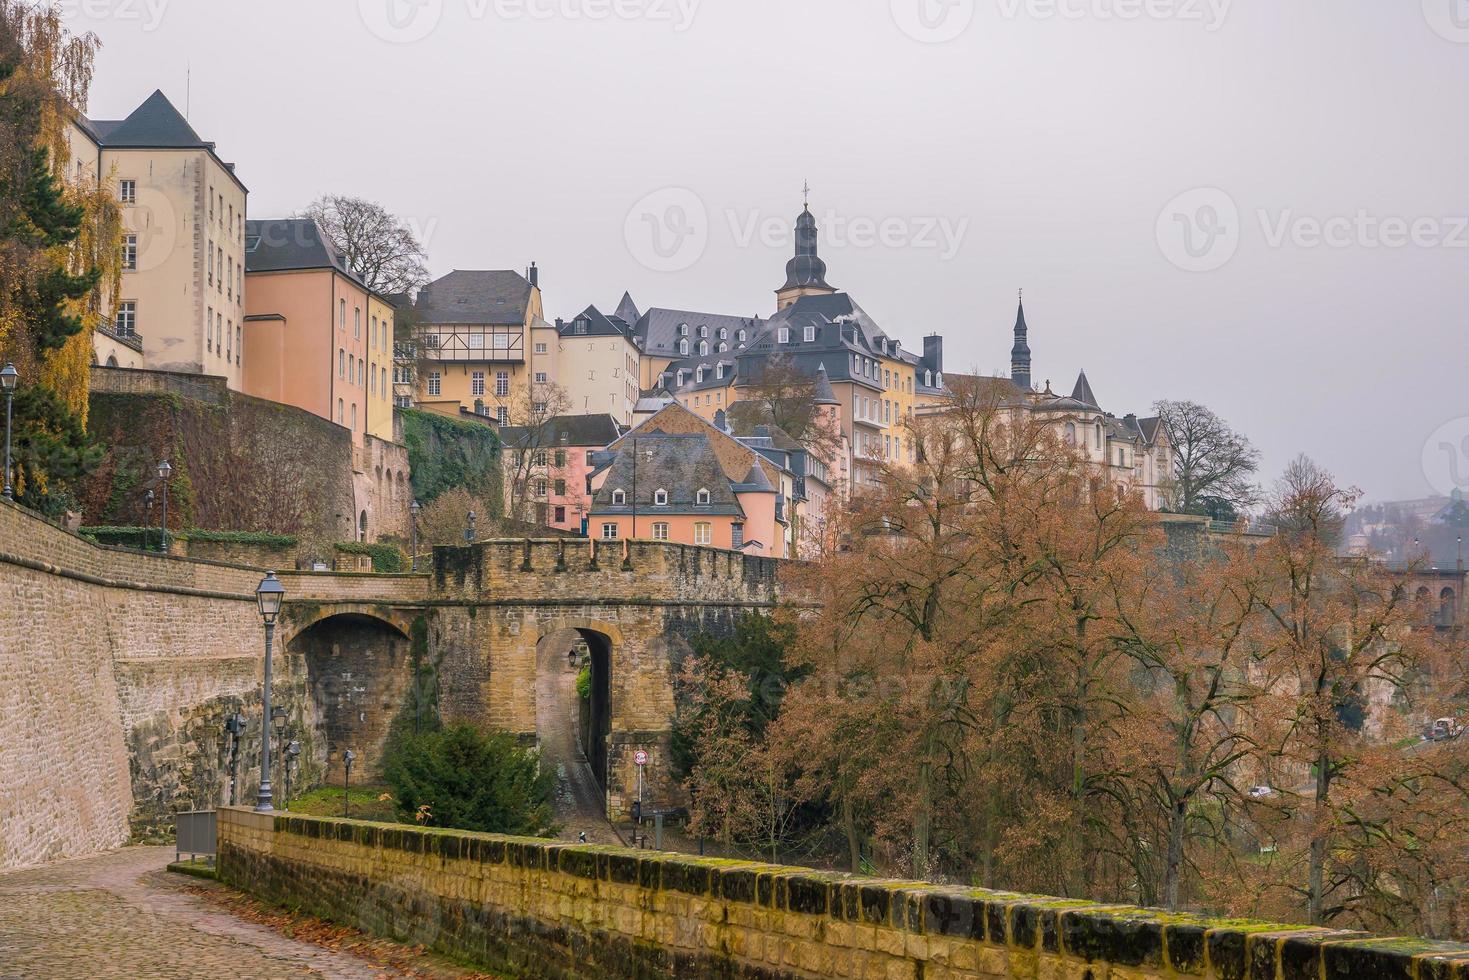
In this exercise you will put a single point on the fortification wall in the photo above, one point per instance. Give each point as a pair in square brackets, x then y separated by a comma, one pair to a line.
[537, 908]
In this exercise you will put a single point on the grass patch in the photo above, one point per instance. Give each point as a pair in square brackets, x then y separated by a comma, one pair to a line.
[366, 803]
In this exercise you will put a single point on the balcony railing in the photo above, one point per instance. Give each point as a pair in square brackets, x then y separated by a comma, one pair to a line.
[127, 338]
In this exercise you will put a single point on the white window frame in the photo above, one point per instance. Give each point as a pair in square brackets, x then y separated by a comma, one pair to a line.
[783, 335]
[126, 323]
[619, 496]
[609, 531]
[703, 533]
[127, 191]
[130, 255]
[660, 497]
[809, 334]
[702, 497]
[435, 383]
[660, 530]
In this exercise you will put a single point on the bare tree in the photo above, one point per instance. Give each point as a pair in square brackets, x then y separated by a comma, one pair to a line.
[785, 396]
[529, 458]
[1212, 464]
[379, 248]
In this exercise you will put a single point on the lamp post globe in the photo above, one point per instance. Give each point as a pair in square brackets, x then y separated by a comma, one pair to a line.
[469, 528]
[414, 509]
[269, 595]
[9, 378]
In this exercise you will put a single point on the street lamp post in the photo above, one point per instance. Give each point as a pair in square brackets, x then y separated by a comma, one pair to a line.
[414, 509]
[147, 524]
[8, 378]
[347, 758]
[164, 472]
[234, 726]
[291, 753]
[269, 594]
[278, 724]
[469, 528]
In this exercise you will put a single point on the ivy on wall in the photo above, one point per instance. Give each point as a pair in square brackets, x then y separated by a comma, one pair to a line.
[446, 454]
[387, 558]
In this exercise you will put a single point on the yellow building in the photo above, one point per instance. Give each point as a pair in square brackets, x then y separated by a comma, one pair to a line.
[181, 306]
[474, 335]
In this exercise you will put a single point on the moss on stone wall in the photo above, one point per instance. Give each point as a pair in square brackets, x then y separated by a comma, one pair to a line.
[444, 454]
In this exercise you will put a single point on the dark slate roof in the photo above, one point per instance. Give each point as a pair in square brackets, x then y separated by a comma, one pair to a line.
[155, 124]
[627, 310]
[823, 395]
[657, 329]
[750, 422]
[680, 464]
[495, 297]
[281, 244]
[580, 430]
[755, 481]
[1083, 392]
[597, 325]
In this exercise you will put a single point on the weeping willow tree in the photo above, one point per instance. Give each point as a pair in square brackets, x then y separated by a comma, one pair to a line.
[60, 249]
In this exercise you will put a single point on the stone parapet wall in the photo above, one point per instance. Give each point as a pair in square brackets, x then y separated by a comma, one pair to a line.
[544, 909]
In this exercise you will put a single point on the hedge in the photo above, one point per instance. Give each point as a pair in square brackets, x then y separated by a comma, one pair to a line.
[387, 558]
[147, 538]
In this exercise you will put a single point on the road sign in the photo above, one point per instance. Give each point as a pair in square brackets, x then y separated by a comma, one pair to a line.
[640, 757]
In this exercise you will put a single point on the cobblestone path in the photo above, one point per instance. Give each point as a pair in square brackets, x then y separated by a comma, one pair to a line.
[580, 805]
[121, 915]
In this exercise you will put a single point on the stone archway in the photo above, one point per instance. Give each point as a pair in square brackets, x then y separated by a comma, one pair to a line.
[572, 730]
[358, 670]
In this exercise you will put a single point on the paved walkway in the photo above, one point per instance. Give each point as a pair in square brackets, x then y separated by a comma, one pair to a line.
[121, 915]
[580, 804]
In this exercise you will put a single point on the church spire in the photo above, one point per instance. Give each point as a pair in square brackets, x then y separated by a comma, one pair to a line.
[805, 272]
[1020, 353]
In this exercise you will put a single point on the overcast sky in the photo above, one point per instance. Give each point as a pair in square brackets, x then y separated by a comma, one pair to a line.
[1261, 205]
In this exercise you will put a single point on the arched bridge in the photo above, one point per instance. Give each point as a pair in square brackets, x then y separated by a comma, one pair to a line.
[495, 634]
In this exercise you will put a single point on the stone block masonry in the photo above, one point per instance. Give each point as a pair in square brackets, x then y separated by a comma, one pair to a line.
[539, 908]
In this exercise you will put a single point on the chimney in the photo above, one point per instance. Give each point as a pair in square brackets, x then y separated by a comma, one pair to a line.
[933, 351]
[534, 275]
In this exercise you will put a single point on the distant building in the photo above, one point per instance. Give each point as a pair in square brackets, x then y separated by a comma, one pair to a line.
[593, 359]
[556, 459]
[181, 303]
[474, 345]
[678, 478]
[318, 338]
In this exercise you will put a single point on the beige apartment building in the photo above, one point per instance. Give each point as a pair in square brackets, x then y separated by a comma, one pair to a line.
[181, 305]
[593, 360]
[473, 344]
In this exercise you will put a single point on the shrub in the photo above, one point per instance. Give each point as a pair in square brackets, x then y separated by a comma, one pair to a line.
[584, 684]
[387, 558]
[470, 780]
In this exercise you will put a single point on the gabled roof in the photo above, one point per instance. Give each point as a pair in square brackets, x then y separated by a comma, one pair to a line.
[498, 297]
[627, 310]
[578, 430]
[680, 464]
[1083, 392]
[597, 325]
[657, 329]
[286, 244]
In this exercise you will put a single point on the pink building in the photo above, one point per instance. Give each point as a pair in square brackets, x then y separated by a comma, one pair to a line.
[559, 457]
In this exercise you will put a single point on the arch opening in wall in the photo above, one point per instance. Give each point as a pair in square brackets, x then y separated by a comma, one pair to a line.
[359, 677]
[574, 715]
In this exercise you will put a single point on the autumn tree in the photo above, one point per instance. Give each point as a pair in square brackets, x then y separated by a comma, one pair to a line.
[1213, 465]
[444, 519]
[60, 249]
[379, 247]
[1339, 638]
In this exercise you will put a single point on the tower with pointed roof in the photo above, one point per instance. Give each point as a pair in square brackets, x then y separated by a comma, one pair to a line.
[1020, 353]
[180, 305]
[805, 272]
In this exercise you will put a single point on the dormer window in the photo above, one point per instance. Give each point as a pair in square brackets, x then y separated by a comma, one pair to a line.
[683, 329]
[703, 330]
[702, 497]
[699, 375]
[783, 336]
[742, 336]
[722, 348]
[660, 498]
[683, 347]
[723, 333]
[884, 345]
[703, 348]
[678, 383]
[619, 496]
[809, 335]
[581, 326]
[928, 379]
[719, 371]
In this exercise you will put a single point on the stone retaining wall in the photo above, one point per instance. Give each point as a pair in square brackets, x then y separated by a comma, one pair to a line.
[546, 909]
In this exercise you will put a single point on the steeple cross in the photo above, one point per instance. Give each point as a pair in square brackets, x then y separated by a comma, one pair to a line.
[806, 194]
